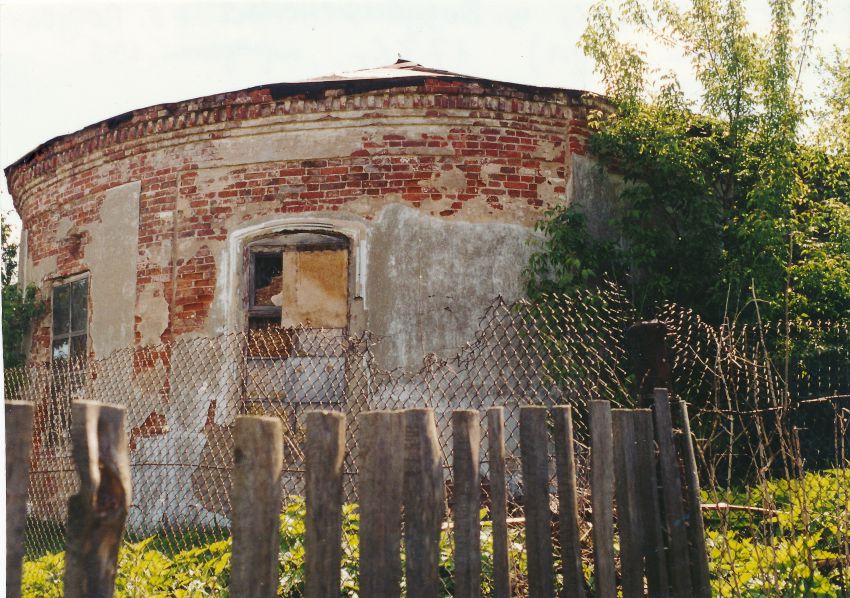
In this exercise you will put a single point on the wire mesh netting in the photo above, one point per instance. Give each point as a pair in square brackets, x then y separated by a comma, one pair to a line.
[769, 415]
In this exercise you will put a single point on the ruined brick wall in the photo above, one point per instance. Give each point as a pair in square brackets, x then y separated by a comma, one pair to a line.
[436, 184]
[452, 150]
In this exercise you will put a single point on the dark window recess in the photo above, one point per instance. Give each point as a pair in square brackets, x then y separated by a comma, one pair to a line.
[70, 320]
[266, 340]
[268, 279]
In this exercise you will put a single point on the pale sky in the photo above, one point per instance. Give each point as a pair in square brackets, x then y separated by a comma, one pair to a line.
[70, 64]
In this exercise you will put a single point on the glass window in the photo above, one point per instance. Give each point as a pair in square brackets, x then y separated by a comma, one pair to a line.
[70, 320]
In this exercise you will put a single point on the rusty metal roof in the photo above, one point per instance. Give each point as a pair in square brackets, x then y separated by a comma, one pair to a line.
[402, 68]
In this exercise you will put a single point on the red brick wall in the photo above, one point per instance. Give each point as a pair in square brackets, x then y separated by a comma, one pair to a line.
[502, 128]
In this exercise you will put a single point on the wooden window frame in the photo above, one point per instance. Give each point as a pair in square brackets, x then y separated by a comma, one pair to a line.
[71, 334]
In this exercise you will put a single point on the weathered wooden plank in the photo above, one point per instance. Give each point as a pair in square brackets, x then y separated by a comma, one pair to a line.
[324, 450]
[538, 516]
[466, 492]
[696, 530]
[96, 515]
[629, 523]
[568, 502]
[18, 447]
[424, 503]
[255, 498]
[498, 501]
[602, 498]
[649, 505]
[671, 489]
[381, 475]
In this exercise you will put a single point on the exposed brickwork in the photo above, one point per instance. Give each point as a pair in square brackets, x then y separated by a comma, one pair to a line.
[506, 156]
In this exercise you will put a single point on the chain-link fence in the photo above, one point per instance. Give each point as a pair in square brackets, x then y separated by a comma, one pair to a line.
[767, 403]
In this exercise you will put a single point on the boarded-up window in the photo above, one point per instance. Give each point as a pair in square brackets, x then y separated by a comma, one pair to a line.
[315, 289]
[298, 322]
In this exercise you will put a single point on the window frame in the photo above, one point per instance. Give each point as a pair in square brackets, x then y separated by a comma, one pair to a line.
[71, 334]
[273, 245]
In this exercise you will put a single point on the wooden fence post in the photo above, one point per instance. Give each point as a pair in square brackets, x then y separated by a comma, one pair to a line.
[323, 455]
[466, 492]
[498, 501]
[255, 502]
[568, 502]
[381, 475]
[671, 483]
[649, 505]
[696, 529]
[18, 445]
[97, 514]
[424, 503]
[538, 516]
[602, 498]
[629, 524]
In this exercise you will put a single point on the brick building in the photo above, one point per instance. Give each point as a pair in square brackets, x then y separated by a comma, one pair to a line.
[398, 200]
[420, 187]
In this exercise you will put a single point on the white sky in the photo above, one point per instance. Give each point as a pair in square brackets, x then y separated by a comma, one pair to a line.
[70, 64]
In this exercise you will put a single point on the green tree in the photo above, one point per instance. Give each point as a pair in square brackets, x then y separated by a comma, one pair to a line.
[20, 308]
[725, 206]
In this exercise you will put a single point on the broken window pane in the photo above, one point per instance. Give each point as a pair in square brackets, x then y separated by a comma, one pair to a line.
[61, 349]
[78, 347]
[61, 312]
[79, 305]
[267, 278]
[70, 320]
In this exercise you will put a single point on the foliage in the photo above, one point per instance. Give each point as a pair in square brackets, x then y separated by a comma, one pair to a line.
[20, 307]
[144, 570]
[834, 118]
[724, 207]
[795, 552]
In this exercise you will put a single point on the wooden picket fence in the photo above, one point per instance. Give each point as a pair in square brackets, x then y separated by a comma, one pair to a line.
[636, 463]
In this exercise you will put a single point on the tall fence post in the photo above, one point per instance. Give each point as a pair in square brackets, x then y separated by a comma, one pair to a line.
[424, 503]
[255, 499]
[18, 442]
[650, 510]
[381, 475]
[602, 498]
[568, 502]
[629, 524]
[696, 529]
[466, 492]
[538, 516]
[498, 501]
[671, 483]
[96, 515]
[323, 456]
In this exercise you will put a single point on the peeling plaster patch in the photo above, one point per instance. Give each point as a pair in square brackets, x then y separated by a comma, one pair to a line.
[547, 150]
[159, 254]
[431, 280]
[23, 259]
[310, 144]
[111, 258]
[42, 269]
[446, 181]
[547, 194]
[63, 227]
[153, 311]
[596, 193]
[489, 170]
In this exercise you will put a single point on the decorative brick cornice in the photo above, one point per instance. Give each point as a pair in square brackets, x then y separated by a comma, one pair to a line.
[112, 136]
